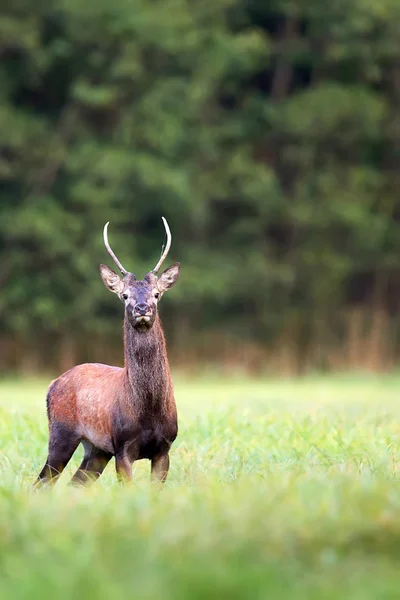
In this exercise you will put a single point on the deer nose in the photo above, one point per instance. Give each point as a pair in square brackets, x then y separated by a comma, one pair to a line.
[142, 308]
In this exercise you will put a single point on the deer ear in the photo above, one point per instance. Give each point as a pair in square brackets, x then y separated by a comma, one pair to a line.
[168, 278]
[111, 280]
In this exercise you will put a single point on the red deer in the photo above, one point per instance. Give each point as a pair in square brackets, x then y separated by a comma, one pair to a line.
[128, 412]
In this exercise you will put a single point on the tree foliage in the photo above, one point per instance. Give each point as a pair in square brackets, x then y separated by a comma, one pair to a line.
[267, 133]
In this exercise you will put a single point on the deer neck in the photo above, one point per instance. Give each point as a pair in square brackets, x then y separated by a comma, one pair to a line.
[146, 363]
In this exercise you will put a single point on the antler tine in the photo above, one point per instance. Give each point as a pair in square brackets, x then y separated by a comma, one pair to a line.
[110, 252]
[165, 250]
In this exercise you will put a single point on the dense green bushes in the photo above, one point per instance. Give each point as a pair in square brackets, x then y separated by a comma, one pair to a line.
[267, 133]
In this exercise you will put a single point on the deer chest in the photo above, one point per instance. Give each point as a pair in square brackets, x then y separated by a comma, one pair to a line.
[153, 442]
[146, 440]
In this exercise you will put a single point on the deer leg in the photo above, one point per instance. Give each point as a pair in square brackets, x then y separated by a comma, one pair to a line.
[123, 467]
[62, 444]
[159, 468]
[93, 464]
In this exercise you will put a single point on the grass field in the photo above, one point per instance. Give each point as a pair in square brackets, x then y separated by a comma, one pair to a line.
[276, 490]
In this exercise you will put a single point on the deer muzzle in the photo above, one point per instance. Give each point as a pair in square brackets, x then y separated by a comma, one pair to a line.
[142, 318]
[142, 313]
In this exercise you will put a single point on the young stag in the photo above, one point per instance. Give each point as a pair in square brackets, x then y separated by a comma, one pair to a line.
[128, 413]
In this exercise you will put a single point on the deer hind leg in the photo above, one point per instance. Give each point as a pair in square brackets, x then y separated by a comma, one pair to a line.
[93, 464]
[160, 468]
[62, 444]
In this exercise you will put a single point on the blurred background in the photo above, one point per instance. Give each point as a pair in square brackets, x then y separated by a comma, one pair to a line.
[267, 133]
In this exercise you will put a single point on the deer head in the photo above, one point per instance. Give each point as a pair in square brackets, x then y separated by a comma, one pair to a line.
[140, 298]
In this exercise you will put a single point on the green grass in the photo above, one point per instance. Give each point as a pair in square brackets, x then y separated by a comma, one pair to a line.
[276, 490]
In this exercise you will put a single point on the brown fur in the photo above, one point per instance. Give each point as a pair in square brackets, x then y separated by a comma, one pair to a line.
[129, 412]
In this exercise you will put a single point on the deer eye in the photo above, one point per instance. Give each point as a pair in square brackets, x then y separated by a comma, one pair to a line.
[125, 296]
[156, 295]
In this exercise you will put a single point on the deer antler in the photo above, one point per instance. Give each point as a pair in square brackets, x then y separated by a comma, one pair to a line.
[164, 250]
[110, 252]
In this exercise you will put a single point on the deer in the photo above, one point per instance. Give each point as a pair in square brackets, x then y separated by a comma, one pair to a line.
[124, 412]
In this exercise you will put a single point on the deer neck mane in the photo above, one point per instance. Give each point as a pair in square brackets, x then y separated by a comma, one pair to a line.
[146, 362]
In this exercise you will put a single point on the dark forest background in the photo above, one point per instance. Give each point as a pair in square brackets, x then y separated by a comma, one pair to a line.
[267, 133]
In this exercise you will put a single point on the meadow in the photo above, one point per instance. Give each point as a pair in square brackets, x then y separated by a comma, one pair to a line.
[277, 489]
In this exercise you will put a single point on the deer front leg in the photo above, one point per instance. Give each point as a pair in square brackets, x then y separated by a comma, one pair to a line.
[123, 466]
[159, 468]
